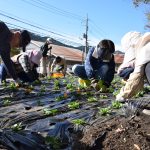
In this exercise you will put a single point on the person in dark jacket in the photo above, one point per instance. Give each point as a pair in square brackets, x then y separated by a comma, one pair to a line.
[45, 48]
[99, 67]
[9, 40]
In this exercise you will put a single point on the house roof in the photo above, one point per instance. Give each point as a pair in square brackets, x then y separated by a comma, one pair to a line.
[70, 54]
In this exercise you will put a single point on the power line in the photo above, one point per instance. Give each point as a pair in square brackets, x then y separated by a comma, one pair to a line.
[33, 25]
[65, 41]
[97, 29]
[61, 11]
[47, 7]
[8, 14]
[36, 26]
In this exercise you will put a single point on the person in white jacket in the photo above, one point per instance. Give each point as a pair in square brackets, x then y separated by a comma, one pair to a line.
[137, 55]
[59, 65]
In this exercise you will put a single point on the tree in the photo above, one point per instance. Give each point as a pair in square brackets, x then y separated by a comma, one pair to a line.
[137, 3]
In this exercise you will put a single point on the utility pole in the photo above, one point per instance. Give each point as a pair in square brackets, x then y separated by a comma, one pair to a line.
[85, 35]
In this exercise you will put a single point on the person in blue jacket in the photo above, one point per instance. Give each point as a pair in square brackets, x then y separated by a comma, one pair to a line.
[99, 66]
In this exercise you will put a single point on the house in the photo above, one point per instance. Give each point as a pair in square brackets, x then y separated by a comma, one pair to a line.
[72, 55]
[118, 59]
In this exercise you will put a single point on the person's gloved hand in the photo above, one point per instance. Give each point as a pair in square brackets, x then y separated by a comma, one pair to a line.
[120, 98]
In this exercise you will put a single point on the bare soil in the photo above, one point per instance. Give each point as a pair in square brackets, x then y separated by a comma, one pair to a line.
[119, 133]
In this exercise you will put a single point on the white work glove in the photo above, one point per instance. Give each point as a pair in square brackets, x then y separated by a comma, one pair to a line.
[120, 98]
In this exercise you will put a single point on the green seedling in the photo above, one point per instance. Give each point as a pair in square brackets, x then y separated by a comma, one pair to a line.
[115, 93]
[6, 102]
[140, 94]
[104, 111]
[111, 89]
[81, 87]
[48, 112]
[79, 121]
[73, 105]
[36, 82]
[116, 105]
[103, 96]
[12, 86]
[64, 81]
[49, 78]
[17, 127]
[43, 88]
[4, 84]
[54, 142]
[69, 86]
[116, 80]
[31, 87]
[56, 83]
[92, 99]
[59, 98]
[147, 89]
[56, 87]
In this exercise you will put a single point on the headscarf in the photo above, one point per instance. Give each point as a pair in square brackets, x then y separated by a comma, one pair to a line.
[34, 56]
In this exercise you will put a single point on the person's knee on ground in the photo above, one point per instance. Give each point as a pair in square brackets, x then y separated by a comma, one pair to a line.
[75, 69]
[79, 70]
[126, 73]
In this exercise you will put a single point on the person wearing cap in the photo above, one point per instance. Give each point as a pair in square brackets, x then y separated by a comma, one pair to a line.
[25, 65]
[137, 56]
[59, 65]
[9, 40]
[44, 49]
[99, 68]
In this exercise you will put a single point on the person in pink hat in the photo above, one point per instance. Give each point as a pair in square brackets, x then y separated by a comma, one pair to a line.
[26, 64]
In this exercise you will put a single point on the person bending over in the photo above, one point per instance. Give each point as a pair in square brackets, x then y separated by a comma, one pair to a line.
[9, 40]
[25, 65]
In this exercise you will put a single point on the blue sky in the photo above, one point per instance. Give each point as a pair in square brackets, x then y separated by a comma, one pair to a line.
[64, 20]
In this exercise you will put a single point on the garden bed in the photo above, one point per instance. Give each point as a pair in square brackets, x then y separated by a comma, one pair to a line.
[57, 114]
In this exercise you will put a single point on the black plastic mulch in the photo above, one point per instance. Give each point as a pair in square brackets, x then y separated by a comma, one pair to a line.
[39, 117]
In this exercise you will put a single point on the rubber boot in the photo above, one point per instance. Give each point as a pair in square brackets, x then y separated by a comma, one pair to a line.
[84, 83]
